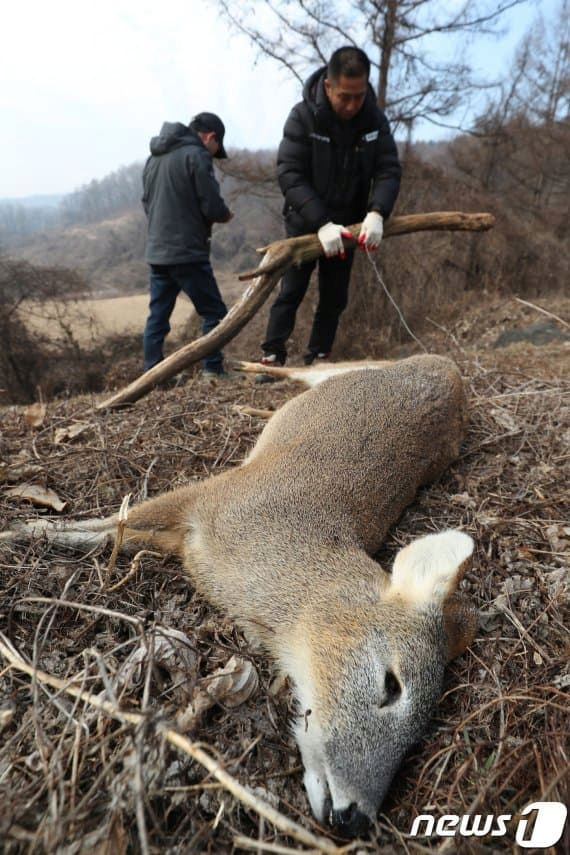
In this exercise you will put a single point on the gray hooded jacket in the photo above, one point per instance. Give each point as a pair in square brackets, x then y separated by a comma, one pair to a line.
[181, 197]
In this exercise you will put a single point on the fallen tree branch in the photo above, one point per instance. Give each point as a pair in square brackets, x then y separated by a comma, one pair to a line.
[307, 247]
[192, 749]
[544, 312]
[241, 312]
[278, 256]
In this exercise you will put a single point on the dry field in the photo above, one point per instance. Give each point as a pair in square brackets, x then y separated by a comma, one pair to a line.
[96, 755]
[126, 314]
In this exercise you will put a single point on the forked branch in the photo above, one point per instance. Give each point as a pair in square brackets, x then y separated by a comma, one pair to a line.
[278, 256]
[307, 247]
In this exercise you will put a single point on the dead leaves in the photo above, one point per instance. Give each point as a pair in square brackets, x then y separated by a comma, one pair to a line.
[23, 467]
[231, 686]
[172, 659]
[505, 419]
[171, 653]
[42, 496]
[35, 415]
[70, 432]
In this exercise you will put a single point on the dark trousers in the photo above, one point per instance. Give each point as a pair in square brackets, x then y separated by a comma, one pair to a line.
[334, 278]
[198, 282]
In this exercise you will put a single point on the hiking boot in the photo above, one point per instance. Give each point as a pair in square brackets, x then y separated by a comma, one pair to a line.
[312, 357]
[269, 359]
[172, 382]
[211, 375]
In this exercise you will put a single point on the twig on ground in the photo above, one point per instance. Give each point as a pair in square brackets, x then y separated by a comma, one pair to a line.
[247, 798]
[543, 311]
[122, 522]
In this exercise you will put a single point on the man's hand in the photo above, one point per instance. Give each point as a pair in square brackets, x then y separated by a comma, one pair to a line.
[330, 236]
[371, 231]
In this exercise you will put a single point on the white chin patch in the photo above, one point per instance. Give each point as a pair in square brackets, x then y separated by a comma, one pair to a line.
[308, 730]
[310, 741]
[317, 792]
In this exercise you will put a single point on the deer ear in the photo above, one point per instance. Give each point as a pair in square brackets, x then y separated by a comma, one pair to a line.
[428, 570]
[461, 621]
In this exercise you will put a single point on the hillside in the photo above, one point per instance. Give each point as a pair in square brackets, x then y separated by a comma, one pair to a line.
[109, 254]
[516, 172]
[136, 717]
[101, 232]
[499, 736]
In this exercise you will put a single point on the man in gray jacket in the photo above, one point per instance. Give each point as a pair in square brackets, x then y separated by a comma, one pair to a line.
[182, 200]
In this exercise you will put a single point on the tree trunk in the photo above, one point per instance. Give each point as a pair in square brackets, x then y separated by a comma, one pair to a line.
[387, 43]
[278, 256]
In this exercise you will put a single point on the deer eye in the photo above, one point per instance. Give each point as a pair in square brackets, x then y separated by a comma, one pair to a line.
[392, 689]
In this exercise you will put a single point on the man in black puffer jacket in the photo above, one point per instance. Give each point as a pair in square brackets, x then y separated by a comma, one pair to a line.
[182, 200]
[337, 165]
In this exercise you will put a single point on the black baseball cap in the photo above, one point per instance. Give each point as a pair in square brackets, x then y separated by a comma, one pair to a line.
[211, 122]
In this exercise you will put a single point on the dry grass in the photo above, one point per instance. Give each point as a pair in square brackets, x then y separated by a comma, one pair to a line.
[77, 778]
[125, 315]
[112, 316]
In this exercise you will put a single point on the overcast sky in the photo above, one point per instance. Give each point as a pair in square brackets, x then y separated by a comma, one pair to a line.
[84, 85]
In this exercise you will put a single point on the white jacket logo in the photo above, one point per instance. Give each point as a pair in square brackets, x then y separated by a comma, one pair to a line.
[548, 827]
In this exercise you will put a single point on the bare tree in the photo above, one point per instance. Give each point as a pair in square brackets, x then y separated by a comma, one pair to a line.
[520, 149]
[40, 312]
[107, 197]
[402, 37]
[18, 222]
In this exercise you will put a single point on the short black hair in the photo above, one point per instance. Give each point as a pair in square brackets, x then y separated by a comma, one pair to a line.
[348, 62]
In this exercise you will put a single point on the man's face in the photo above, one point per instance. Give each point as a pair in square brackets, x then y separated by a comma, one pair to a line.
[210, 141]
[346, 95]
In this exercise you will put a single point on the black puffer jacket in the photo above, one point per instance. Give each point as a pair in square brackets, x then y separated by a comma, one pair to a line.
[181, 197]
[333, 170]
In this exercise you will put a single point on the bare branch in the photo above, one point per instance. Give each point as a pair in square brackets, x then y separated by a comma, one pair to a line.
[395, 33]
[279, 255]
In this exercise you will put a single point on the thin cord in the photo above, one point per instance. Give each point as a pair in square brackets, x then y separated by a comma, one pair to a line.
[400, 315]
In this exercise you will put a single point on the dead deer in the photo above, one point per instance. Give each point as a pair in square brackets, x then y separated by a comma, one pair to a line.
[283, 544]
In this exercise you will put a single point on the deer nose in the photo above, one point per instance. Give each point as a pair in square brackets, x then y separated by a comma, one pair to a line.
[350, 822]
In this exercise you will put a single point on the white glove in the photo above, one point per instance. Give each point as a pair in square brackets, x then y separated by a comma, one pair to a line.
[330, 236]
[371, 231]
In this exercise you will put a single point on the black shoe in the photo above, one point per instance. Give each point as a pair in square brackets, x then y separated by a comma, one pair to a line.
[171, 382]
[272, 359]
[211, 375]
[264, 378]
[312, 357]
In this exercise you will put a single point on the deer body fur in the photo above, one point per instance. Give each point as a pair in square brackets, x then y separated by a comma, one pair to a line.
[283, 542]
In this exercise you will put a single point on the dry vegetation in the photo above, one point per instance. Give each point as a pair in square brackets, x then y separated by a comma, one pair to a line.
[112, 316]
[75, 777]
[109, 254]
[104, 663]
[434, 276]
